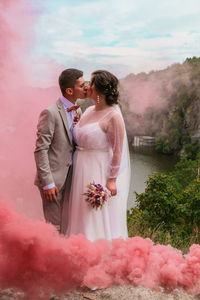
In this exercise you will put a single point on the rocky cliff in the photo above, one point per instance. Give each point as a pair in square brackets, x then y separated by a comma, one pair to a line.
[164, 104]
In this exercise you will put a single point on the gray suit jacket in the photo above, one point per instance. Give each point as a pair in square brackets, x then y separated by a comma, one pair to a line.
[54, 146]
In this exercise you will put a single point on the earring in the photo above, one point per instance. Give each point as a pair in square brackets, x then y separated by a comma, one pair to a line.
[98, 99]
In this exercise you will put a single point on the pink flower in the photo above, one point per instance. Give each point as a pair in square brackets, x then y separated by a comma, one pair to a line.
[96, 195]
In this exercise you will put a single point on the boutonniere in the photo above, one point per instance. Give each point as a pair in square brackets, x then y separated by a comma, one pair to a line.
[76, 118]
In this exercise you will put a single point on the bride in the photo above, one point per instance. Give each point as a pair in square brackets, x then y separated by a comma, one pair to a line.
[102, 157]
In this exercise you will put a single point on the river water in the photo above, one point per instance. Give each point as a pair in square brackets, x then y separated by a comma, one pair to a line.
[144, 161]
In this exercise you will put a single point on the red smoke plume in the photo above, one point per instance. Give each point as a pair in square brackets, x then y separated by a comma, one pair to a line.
[20, 107]
[35, 258]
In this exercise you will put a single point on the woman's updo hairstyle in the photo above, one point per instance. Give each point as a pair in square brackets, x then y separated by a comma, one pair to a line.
[106, 84]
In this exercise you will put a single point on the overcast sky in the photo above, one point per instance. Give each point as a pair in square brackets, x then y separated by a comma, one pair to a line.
[123, 36]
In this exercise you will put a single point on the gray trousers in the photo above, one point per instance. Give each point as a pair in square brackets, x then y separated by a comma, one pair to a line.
[55, 212]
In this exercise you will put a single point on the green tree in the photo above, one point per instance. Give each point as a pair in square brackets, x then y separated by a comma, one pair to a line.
[185, 171]
[190, 205]
[192, 150]
[159, 201]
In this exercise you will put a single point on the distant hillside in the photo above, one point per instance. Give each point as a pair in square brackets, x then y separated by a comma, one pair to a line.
[164, 104]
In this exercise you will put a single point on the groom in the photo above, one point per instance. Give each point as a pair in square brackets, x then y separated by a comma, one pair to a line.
[54, 148]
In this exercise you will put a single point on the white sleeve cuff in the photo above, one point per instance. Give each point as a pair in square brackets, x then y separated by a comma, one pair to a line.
[49, 186]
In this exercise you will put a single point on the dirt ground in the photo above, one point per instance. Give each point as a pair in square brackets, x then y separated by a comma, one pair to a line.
[118, 292]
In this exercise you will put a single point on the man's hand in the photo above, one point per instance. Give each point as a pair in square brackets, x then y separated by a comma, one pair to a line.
[111, 186]
[51, 194]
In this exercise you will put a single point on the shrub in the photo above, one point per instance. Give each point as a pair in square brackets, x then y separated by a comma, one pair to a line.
[159, 201]
[168, 211]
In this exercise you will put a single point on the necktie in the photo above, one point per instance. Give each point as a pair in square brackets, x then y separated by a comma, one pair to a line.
[75, 107]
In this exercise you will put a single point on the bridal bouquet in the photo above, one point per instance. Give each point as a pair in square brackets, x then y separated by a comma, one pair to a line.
[96, 195]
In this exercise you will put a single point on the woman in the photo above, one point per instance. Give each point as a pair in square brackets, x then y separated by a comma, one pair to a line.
[101, 156]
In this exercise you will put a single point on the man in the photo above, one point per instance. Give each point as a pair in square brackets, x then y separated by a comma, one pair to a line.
[54, 148]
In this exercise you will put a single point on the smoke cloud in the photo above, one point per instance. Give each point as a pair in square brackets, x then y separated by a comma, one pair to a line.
[36, 258]
[153, 90]
[147, 98]
[20, 106]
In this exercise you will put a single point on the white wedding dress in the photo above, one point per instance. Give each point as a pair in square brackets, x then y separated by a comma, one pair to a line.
[101, 153]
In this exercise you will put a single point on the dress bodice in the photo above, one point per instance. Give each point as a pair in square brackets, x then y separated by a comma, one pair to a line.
[103, 130]
[90, 136]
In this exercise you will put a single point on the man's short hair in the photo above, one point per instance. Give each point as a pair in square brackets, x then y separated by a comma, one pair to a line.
[67, 79]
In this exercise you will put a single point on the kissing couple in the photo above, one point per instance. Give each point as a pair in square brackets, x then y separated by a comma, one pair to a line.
[74, 149]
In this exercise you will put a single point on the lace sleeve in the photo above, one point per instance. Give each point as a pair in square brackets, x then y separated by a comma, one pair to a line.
[115, 133]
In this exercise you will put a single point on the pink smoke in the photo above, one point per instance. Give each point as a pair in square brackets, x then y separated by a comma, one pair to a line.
[153, 90]
[142, 93]
[21, 105]
[15, 22]
[35, 258]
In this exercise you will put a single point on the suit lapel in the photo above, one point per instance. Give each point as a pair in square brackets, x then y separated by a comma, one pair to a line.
[64, 118]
